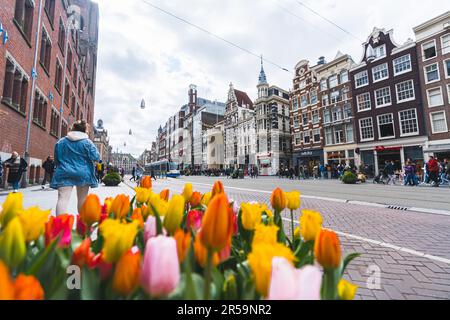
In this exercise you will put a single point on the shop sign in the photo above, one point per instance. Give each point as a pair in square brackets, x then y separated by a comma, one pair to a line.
[3, 34]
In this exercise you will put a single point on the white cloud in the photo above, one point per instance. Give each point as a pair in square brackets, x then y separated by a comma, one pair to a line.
[144, 53]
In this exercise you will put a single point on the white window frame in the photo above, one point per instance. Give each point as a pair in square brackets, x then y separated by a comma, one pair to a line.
[431, 122]
[400, 124]
[423, 51]
[384, 104]
[447, 76]
[378, 125]
[356, 79]
[327, 100]
[444, 50]
[325, 87]
[306, 133]
[329, 130]
[301, 101]
[330, 81]
[357, 102]
[295, 99]
[360, 130]
[314, 135]
[340, 76]
[346, 133]
[428, 97]
[311, 95]
[377, 49]
[408, 99]
[337, 136]
[315, 112]
[404, 71]
[379, 66]
[425, 73]
[448, 92]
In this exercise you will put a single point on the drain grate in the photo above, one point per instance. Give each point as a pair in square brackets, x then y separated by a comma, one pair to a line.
[397, 208]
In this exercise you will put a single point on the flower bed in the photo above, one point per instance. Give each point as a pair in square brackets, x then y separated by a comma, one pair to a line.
[188, 246]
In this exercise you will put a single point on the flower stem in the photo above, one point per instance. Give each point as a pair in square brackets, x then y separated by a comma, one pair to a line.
[207, 276]
[292, 225]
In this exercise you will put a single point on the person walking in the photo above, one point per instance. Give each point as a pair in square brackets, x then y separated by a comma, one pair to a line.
[133, 174]
[139, 172]
[17, 166]
[75, 156]
[390, 171]
[49, 168]
[100, 171]
[433, 167]
[1, 172]
[152, 174]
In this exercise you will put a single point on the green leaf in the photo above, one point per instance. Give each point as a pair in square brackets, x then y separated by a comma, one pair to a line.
[90, 284]
[159, 228]
[347, 260]
[217, 280]
[41, 258]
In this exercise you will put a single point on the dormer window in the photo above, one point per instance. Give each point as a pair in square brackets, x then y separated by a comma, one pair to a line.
[380, 51]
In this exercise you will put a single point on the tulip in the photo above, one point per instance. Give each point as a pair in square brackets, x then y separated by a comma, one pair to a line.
[6, 283]
[201, 253]
[82, 227]
[142, 194]
[183, 240]
[165, 194]
[217, 227]
[11, 207]
[297, 233]
[293, 200]
[160, 269]
[217, 189]
[327, 249]
[278, 200]
[120, 206]
[83, 255]
[33, 222]
[206, 198]
[265, 234]
[251, 215]
[187, 192]
[137, 215]
[346, 290]
[28, 288]
[12, 243]
[127, 272]
[150, 228]
[194, 220]
[59, 226]
[91, 210]
[105, 268]
[196, 199]
[310, 224]
[157, 204]
[288, 283]
[225, 253]
[174, 215]
[118, 238]
[260, 261]
[106, 208]
[144, 210]
[146, 182]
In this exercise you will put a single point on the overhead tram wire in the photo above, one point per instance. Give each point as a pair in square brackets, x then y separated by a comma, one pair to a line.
[215, 35]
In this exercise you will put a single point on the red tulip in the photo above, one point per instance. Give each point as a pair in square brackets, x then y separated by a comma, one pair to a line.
[59, 226]
[194, 220]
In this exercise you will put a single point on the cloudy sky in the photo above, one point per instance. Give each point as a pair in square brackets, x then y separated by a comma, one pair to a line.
[144, 53]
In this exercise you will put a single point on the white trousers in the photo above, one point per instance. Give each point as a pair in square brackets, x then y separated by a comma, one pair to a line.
[64, 194]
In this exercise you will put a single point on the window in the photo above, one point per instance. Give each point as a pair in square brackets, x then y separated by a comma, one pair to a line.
[405, 91]
[40, 109]
[344, 76]
[336, 114]
[432, 73]
[298, 137]
[408, 122]
[363, 101]
[326, 116]
[366, 127]
[61, 36]
[316, 134]
[402, 64]
[323, 85]
[383, 97]
[75, 76]
[335, 97]
[339, 135]
[435, 97]
[315, 116]
[295, 103]
[302, 84]
[333, 80]
[438, 122]
[15, 87]
[380, 72]
[380, 51]
[66, 92]
[386, 126]
[304, 100]
[445, 41]
[73, 105]
[361, 79]
[296, 121]
[46, 51]
[349, 133]
[313, 97]
[328, 136]
[447, 68]
[325, 100]
[448, 92]
[58, 76]
[23, 16]
[306, 137]
[305, 119]
[348, 113]
[50, 9]
[64, 128]
[54, 123]
[69, 60]
[429, 50]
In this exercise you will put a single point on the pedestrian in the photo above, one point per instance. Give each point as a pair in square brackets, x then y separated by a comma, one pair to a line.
[322, 171]
[75, 156]
[390, 172]
[133, 174]
[433, 167]
[152, 173]
[328, 167]
[17, 166]
[443, 173]
[49, 169]
[139, 172]
[100, 171]
[1, 172]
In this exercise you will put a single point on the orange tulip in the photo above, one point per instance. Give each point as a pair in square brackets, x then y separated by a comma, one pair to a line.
[217, 189]
[201, 253]
[165, 194]
[127, 272]
[6, 283]
[217, 224]
[144, 210]
[327, 249]
[91, 210]
[83, 255]
[183, 243]
[120, 206]
[196, 199]
[146, 182]
[278, 200]
[28, 288]
[137, 215]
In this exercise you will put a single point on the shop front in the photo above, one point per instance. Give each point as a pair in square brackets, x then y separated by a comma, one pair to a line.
[438, 149]
[341, 155]
[308, 158]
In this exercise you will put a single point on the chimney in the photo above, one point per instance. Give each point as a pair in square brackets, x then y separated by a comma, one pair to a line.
[321, 60]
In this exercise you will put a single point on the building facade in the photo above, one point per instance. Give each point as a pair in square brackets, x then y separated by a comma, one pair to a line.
[46, 98]
[387, 103]
[215, 147]
[433, 55]
[101, 141]
[123, 160]
[161, 143]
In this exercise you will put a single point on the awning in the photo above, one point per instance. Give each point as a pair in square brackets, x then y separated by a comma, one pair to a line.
[438, 148]
[264, 161]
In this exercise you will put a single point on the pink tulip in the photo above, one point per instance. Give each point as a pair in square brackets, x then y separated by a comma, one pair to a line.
[161, 269]
[194, 220]
[150, 228]
[289, 283]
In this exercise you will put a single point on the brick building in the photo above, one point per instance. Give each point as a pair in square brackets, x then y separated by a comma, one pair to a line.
[43, 29]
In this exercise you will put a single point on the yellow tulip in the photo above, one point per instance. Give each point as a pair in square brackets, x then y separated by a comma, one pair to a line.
[118, 238]
[310, 224]
[206, 198]
[33, 222]
[174, 215]
[11, 207]
[108, 204]
[346, 290]
[187, 192]
[265, 234]
[158, 204]
[142, 194]
[251, 215]
[293, 200]
[327, 249]
[12, 243]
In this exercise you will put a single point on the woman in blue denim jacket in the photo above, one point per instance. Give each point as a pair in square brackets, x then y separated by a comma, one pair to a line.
[75, 155]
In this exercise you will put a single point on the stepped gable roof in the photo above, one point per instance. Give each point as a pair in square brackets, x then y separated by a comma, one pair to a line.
[243, 99]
